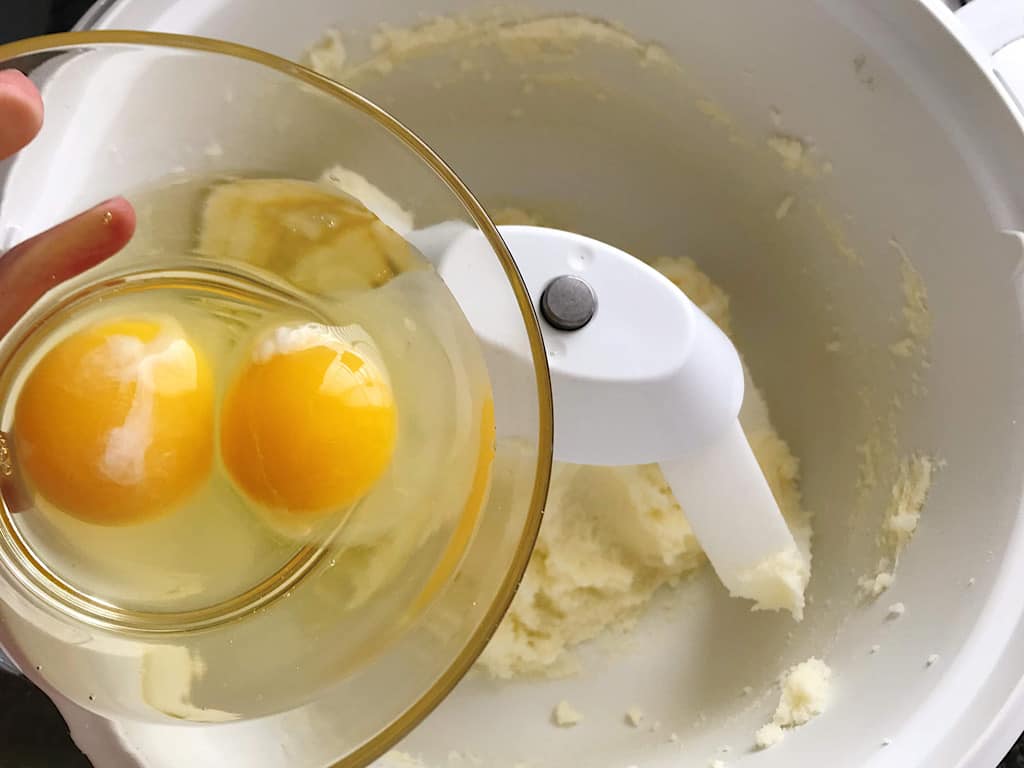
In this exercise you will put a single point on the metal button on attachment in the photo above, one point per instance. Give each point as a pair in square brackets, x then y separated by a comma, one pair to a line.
[568, 303]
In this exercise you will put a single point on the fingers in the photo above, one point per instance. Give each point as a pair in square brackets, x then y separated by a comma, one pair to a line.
[21, 111]
[32, 268]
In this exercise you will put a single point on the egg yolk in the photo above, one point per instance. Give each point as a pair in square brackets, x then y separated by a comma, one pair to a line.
[308, 427]
[115, 423]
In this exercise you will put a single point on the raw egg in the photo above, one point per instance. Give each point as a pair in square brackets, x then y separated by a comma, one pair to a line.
[309, 424]
[115, 423]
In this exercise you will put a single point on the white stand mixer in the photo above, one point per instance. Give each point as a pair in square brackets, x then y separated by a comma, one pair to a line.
[639, 375]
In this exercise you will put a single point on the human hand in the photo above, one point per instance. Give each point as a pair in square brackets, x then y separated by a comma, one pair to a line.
[33, 267]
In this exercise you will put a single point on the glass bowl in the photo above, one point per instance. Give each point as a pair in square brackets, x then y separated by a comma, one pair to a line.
[163, 119]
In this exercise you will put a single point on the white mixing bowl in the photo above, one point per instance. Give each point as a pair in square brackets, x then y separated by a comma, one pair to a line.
[917, 140]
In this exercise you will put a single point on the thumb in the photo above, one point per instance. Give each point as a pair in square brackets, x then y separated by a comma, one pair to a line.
[21, 111]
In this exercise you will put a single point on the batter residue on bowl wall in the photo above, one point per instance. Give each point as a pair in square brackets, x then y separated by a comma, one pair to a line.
[613, 537]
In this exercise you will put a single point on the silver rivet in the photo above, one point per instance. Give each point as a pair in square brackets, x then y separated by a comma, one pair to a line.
[568, 303]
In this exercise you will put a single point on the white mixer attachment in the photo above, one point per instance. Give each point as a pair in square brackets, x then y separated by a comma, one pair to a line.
[639, 375]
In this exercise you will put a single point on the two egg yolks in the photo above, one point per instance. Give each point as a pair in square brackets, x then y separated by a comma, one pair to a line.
[115, 424]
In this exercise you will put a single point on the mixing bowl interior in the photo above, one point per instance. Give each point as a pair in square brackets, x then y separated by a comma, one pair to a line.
[668, 150]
